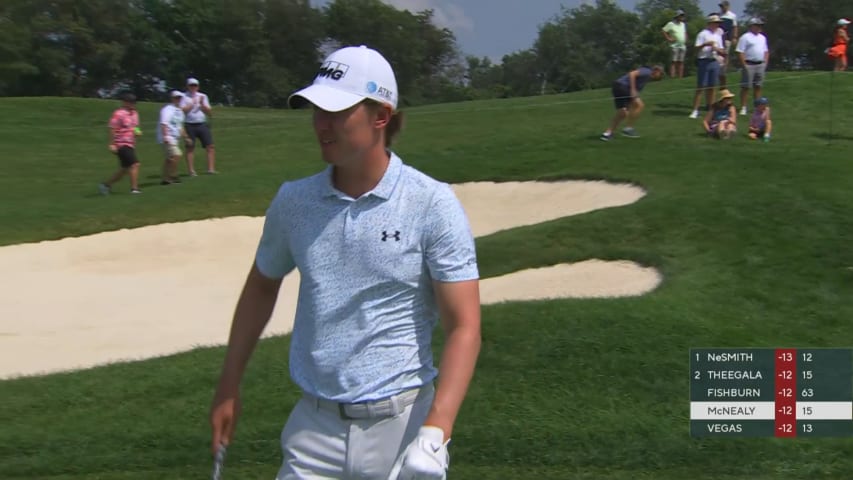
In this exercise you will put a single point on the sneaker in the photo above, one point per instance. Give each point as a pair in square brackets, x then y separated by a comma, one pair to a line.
[743, 110]
[766, 138]
[165, 182]
[135, 191]
[630, 132]
[103, 189]
[212, 172]
[605, 137]
[695, 114]
[193, 174]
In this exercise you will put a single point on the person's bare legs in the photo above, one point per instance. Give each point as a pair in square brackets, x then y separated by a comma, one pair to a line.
[709, 96]
[211, 158]
[696, 98]
[743, 94]
[134, 176]
[672, 69]
[634, 111]
[191, 157]
[680, 69]
[620, 115]
[116, 177]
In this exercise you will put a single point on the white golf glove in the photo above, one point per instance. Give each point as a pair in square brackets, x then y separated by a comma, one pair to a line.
[426, 458]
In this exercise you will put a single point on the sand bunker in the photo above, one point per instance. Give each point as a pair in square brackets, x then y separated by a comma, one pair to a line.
[133, 294]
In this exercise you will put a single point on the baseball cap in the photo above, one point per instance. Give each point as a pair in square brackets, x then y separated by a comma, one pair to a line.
[843, 21]
[348, 76]
[761, 101]
[192, 81]
[679, 13]
[128, 97]
[714, 18]
[724, 3]
[176, 93]
[755, 21]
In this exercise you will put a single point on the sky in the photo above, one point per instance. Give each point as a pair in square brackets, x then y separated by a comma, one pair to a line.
[494, 28]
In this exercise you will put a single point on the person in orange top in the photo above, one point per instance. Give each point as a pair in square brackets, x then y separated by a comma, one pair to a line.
[838, 51]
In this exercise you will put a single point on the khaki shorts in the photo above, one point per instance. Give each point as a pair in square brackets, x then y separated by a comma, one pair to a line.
[172, 150]
[678, 54]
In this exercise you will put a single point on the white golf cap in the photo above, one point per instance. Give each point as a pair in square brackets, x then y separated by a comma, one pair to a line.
[192, 81]
[348, 76]
[843, 21]
[176, 93]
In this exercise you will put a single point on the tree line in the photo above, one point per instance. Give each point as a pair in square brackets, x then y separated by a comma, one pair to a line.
[256, 52]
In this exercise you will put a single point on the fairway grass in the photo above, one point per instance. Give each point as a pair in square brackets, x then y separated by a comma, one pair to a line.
[751, 239]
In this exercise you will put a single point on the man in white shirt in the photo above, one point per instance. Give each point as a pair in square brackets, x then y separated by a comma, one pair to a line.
[196, 106]
[709, 45]
[730, 34]
[753, 54]
[169, 130]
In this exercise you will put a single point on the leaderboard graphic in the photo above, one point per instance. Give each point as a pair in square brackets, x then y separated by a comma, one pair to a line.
[771, 392]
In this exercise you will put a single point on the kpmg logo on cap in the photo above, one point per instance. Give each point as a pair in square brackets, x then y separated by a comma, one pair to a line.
[333, 70]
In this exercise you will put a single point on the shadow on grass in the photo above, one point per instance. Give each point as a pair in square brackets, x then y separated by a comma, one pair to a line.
[669, 112]
[834, 136]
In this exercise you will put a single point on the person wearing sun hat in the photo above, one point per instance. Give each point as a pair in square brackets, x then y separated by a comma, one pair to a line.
[838, 50]
[721, 119]
[709, 45]
[675, 33]
[754, 55]
[385, 254]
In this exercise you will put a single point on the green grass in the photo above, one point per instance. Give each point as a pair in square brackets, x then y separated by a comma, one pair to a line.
[753, 240]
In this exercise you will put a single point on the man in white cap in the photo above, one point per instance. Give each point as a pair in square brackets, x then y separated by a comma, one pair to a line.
[383, 253]
[196, 107]
[754, 54]
[728, 23]
[169, 131]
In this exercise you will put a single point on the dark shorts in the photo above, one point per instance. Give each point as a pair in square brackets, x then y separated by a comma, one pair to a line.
[621, 95]
[707, 72]
[200, 131]
[126, 157]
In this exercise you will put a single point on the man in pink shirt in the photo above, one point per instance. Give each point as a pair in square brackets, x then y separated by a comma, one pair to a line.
[124, 128]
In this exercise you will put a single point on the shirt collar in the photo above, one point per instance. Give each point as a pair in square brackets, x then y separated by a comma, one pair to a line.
[384, 189]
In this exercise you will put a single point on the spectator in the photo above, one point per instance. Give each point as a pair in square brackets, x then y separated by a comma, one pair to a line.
[676, 34]
[721, 120]
[760, 124]
[838, 51]
[170, 129]
[196, 107]
[124, 128]
[730, 34]
[709, 44]
[754, 55]
[626, 96]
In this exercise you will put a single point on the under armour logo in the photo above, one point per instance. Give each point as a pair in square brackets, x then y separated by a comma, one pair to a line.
[386, 235]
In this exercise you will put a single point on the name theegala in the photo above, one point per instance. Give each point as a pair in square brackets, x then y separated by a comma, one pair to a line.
[735, 374]
[730, 357]
[732, 411]
[734, 392]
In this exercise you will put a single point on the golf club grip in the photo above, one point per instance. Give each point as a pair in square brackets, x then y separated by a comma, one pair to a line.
[218, 463]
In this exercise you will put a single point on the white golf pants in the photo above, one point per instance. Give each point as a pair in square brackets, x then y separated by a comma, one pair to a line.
[323, 440]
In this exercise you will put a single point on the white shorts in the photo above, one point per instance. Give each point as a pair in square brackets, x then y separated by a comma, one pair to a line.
[678, 54]
[318, 443]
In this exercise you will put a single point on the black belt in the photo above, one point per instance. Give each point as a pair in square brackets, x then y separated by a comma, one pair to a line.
[754, 62]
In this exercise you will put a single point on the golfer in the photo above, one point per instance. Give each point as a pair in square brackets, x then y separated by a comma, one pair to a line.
[626, 97]
[383, 253]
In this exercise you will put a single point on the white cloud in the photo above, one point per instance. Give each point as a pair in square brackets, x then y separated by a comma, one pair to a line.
[445, 13]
